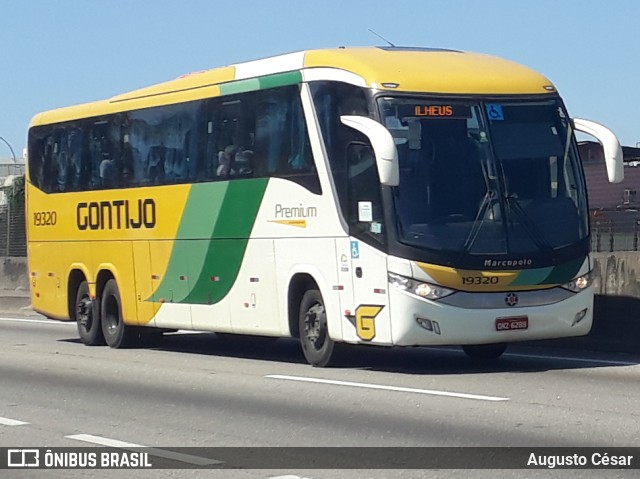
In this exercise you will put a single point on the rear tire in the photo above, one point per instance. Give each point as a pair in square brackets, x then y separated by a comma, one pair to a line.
[116, 333]
[87, 314]
[485, 351]
[316, 344]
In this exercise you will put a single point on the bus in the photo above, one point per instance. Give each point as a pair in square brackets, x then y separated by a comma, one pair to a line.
[375, 195]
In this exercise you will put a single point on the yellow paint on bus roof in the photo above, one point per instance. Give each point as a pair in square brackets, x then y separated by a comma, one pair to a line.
[428, 71]
[433, 71]
[189, 87]
[190, 81]
[106, 107]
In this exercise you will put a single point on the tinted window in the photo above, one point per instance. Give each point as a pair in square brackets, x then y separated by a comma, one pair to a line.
[256, 134]
[352, 161]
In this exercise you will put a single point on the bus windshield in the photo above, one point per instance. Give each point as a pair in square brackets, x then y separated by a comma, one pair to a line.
[486, 178]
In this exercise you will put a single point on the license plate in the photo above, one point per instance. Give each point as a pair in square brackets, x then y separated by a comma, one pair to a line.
[512, 323]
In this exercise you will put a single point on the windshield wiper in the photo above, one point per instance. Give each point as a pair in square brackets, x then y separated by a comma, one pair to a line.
[479, 221]
[490, 178]
[529, 226]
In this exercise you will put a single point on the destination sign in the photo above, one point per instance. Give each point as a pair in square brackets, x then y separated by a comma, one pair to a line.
[435, 111]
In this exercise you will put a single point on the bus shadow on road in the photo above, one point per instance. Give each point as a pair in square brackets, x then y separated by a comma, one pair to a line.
[517, 359]
[260, 348]
[416, 360]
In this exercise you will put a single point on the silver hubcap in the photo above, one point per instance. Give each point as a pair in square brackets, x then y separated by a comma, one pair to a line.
[314, 325]
[84, 314]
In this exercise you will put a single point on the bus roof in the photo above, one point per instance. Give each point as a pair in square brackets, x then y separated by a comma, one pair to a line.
[386, 68]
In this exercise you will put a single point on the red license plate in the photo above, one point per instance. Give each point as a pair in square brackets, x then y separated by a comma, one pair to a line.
[512, 323]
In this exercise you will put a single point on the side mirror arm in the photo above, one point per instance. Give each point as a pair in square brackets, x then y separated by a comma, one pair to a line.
[610, 146]
[383, 145]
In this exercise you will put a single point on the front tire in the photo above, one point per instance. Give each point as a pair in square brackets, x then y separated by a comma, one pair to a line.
[116, 333]
[87, 313]
[316, 344]
[485, 351]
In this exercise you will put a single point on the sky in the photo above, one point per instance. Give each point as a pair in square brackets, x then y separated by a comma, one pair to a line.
[56, 53]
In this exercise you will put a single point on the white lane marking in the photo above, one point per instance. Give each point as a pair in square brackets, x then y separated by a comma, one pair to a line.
[577, 360]
[5, 421]
[288, 476]
[42, 321]
[388, 388]
[104, 441]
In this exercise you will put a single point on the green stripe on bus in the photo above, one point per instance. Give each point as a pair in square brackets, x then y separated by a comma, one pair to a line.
[240, 86]
[224, 257]
[280, 79]
[211, 241]
[560, 274]
[563, 273]
[261, 83]
[199, 223]
[530, 277]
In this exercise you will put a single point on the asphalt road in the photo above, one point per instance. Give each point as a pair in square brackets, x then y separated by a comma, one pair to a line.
[203, 390]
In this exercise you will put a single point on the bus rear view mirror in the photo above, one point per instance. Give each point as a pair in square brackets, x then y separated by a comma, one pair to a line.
[383, 145]
[610, 146]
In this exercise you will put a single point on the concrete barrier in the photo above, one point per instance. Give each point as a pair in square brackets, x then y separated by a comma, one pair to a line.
[617, 274]
[15, 301]
[616, 325]
[13, 274]
[14, 285]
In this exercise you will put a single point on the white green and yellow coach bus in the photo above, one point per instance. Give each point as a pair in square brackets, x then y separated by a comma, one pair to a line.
[387, 196]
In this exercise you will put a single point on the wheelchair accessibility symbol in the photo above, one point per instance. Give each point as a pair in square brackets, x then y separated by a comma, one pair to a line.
[355, 250]
[494, 111]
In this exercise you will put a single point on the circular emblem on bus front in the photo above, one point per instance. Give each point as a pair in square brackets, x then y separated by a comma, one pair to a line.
[511, 299]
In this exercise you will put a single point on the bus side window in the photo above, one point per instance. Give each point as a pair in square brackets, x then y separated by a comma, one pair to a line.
[163, 147]
[60, 166]
[208, 162]
[127, 160]
[230, 136]
[331, 100]
[36, 159]
[282, 147]
[365, 201]
[300, 158]
[270, 132]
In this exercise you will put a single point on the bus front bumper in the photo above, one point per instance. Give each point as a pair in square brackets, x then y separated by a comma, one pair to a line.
[421, 322]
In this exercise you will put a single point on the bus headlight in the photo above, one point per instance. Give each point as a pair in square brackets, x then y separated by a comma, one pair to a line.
[417, 288]
[579, 284]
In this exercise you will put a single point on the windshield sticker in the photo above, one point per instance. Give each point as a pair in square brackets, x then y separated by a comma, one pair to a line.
[365, 211]
[494, 111]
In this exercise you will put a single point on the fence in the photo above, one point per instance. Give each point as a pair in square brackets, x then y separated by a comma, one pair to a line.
[615, 231]
[13, 236]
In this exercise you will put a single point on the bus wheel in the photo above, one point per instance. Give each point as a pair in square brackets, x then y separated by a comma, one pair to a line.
[116, 333]
[485, 351]
[88, 317]
[316, 344]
